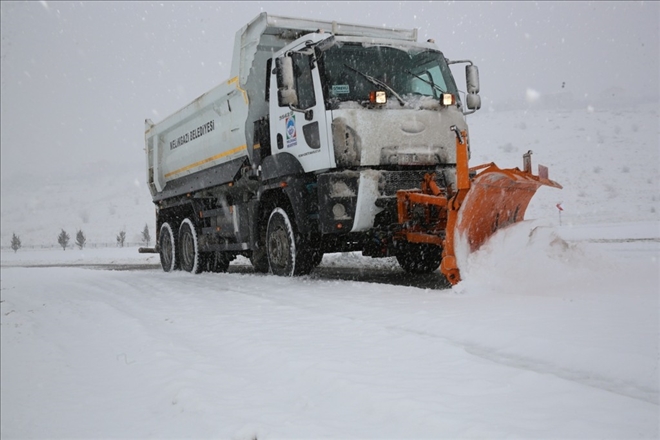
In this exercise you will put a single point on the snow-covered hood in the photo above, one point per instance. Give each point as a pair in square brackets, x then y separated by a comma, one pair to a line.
[395, 136]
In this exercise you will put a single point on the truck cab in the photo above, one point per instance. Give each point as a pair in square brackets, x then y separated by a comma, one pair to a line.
[367, 116]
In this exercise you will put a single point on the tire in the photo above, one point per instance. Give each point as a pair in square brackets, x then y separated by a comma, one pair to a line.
[419, 258]
[168, 248]
[287, 252]
[188, 249]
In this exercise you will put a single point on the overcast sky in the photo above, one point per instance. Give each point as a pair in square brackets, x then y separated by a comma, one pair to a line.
[79, 78]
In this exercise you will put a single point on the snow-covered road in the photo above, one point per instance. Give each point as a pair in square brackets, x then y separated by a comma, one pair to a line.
[570, 351]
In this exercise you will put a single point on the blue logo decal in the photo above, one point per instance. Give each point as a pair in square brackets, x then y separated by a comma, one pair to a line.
[291, 136]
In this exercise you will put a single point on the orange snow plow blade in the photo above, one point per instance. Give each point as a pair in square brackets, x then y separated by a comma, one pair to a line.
[493, 199]
[496, 199]
[486, 198]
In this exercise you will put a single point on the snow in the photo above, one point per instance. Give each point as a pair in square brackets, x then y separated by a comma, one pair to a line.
[553, 332]
[412, 101]
[544, 338]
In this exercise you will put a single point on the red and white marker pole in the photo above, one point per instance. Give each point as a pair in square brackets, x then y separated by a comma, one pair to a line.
[560, 209]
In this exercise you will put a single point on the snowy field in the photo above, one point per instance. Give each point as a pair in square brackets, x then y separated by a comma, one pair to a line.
[553, 333]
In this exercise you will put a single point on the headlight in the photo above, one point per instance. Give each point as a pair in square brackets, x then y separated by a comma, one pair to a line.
[339, 211]
[378, 97]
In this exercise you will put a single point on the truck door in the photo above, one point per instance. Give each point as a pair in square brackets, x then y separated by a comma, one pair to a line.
[301, 129]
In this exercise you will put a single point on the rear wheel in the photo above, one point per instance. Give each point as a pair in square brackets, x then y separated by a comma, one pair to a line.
[189, 250]
[419, 257]
[167, 245]
[288, 254]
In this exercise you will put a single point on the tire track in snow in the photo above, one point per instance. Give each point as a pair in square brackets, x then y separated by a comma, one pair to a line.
[622, 388]
[586, 378]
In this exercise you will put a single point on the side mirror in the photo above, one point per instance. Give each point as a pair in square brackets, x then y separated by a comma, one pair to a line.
[473, 101]
[286, 91]
[472, 82]
[472, 78]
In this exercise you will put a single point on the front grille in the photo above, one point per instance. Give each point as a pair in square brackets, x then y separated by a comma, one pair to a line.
[392, 181]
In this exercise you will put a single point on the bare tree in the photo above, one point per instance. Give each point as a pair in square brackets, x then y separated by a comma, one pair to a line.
[146, 237]
[121, 238]
[15, 242]
[80, 239]
[63, 239]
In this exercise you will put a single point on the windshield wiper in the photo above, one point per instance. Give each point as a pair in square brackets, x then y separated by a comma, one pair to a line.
[432, 84]
[378, 82]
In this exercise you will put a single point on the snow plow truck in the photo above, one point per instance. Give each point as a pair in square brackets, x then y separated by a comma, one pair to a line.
[328, 137]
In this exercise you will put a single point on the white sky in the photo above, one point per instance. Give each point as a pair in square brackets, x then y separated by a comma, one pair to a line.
[79, 78]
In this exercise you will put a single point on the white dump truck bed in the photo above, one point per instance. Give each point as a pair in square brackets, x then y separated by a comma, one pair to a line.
[205, 143]
[204, 134]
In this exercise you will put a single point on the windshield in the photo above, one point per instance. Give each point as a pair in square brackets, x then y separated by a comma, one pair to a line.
[349, 70]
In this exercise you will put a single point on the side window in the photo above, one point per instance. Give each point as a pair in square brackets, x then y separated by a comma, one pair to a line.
[304, 84]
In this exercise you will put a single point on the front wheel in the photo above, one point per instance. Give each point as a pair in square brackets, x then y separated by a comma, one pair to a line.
[189, 250]
[167, 245]
[288, 254]
[419, 257]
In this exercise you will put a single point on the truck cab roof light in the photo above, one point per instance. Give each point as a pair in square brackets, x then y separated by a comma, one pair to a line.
[448, 99]
[378, 97]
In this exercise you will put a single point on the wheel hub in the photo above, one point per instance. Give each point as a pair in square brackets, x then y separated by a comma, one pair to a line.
[279, 247]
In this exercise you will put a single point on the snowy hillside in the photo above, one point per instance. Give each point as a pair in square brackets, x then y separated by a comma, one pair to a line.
[101, 200]
[607, 160]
